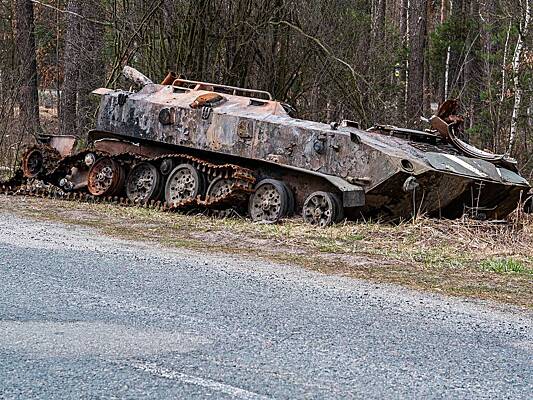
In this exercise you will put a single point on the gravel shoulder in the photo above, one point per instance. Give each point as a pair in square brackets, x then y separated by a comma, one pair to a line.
[458, 258]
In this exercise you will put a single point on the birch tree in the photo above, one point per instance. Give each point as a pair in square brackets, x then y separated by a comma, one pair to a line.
[522, 34]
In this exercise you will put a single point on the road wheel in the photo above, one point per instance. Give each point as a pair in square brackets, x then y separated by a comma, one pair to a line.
[184, 183]
[271, 201]
[143, 183]
[32, 163]
[322, 209]
[106, 177]
[220, 187]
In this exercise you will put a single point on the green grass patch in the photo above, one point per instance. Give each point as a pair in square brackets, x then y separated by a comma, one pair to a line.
[506, 266]
[354, 237]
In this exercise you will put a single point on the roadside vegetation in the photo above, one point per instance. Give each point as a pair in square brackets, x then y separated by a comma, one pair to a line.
[467, 258]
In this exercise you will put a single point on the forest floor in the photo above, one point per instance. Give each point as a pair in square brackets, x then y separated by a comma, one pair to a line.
[460, 258]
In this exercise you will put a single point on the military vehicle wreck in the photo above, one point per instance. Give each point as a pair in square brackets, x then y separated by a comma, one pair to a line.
[195, 144]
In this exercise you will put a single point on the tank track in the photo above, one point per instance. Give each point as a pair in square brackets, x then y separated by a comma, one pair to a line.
[55, 168]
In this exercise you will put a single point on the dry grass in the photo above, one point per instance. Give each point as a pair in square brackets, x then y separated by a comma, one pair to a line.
[465, 258]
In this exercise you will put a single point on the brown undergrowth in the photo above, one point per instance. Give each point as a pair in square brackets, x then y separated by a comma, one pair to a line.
[462, 257]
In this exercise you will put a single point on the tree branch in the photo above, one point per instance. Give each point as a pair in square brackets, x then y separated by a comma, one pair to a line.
[354, 74]
[94, 21]
[124, 56]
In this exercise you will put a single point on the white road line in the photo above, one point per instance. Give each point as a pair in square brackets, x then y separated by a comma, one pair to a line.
[236, 392]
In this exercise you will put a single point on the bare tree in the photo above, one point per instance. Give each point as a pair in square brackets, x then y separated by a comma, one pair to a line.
[372, 61]
[71, 67]
[524, 26]
[92, 74]
[83, 64]
[378, 24]
[417, 44]
[28, 97]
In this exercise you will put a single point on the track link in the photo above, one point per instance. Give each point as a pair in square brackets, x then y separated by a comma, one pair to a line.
[55, 168]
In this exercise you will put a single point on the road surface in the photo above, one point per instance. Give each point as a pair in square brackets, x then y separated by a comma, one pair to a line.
[87, 316]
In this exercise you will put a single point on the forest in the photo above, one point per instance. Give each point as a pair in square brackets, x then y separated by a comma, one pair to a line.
[375, 61]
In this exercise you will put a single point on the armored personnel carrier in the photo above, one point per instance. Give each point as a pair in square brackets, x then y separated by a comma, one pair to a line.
[194, 144]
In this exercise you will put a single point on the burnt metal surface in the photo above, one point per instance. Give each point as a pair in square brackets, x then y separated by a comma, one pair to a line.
[63, 144]
[450, 126]
[39, 160]
[259, 134]
[109, 185]
[232, 139]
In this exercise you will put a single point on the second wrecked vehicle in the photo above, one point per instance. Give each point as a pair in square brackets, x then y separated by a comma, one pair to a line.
[197, 144]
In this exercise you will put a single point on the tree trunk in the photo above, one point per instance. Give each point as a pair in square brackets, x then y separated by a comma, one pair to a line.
[71, 67]
[378, 23]
[402, 103]
[28, 97]
[92, 64]
[445, 10]
[524, 25]
[417, 42]
[83, 65]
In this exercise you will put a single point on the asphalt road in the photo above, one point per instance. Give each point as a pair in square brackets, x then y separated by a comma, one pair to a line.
[86, 316]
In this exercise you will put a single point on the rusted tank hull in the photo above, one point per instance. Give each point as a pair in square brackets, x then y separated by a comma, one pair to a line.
[191, 143]
[300, 182]
[447, 182]
[450, 195]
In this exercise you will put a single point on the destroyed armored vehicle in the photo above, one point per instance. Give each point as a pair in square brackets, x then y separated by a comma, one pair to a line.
[193, 144]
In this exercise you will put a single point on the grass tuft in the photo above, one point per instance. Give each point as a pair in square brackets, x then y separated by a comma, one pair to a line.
[505, 266]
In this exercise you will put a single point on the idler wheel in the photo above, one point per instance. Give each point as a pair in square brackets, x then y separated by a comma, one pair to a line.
[271, 201]
[184, 183]
[220, 187]
[143, 183]
[33, 163]
[322, 209]
[106, 177]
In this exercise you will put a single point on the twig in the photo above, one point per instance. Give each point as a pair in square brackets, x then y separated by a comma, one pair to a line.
[124, 54]
[94, 21]
[355, 75]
